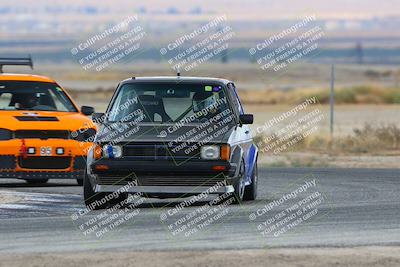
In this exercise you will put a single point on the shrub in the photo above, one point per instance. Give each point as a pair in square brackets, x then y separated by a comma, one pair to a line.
[367, 139]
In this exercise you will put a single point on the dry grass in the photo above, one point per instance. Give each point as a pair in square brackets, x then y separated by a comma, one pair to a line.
[383, 139]
[366, 147]
[98, 95]
[279, 257]
[370, 139]
[345, 95]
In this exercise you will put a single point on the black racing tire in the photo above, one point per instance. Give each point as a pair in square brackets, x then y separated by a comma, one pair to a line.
[79, 181]
[97, 201]
[239, 185]
[37, 181]
[90, 197]
[250, 192]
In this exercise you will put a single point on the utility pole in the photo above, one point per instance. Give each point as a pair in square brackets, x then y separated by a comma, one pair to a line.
[359, 53]
[332, 98]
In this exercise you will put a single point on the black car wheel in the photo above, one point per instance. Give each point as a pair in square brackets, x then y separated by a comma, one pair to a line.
[97, 201]
[79, 181]
[250, 192]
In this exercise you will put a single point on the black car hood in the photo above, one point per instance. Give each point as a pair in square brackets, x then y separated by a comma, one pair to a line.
[123, 132]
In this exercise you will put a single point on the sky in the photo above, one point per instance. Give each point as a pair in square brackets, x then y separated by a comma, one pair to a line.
[249, 9]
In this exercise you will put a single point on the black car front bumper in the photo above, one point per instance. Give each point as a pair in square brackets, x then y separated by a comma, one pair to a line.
[159, 177]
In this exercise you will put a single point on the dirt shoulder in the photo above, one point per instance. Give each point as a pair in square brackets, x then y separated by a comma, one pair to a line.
[360, 256]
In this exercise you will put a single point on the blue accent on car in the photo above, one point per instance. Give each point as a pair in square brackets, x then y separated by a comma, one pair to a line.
[110, 152]
[251, 163]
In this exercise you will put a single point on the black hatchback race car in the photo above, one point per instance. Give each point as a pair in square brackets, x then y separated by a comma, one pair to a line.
[172, 137]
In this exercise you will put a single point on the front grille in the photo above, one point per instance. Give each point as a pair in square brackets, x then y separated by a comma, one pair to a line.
[50, 163]
[161, 151]
[162, 181]
[140, 151]
[112, 180]
[179, 181]
[41, 134]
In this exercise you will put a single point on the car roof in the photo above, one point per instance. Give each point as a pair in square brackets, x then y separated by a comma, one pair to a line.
[24, 77]
[175, 79]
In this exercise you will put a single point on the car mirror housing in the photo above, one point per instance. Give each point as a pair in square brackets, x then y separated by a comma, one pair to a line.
[86, 110]
[246, 118]
[98, 117]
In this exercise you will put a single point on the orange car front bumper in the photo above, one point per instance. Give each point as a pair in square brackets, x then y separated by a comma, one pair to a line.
[34, 157]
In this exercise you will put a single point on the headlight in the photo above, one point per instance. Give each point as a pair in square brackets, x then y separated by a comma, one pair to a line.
[209, 152]
[5, 134]
[110, 151]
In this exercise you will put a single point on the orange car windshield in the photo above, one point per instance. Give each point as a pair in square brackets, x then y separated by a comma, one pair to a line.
[39, 96]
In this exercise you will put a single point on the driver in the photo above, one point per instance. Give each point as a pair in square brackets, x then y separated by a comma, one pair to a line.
[27, 101]
[205, 102]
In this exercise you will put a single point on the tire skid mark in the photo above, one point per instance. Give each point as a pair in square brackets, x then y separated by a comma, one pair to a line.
[39, 204]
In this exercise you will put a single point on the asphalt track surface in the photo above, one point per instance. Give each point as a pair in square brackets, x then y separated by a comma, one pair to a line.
[357, 207]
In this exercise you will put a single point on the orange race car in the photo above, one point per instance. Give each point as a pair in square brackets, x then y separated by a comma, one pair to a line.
[43, 134]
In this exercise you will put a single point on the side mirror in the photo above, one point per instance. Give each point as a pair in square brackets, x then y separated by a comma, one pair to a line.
[246, 118]
[86, 110]
[98, 117]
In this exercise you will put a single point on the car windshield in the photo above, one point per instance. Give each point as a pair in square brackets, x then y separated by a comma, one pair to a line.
[168, 102]
[40, 96]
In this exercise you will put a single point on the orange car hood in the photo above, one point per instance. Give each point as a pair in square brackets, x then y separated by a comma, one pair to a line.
[71, 121]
